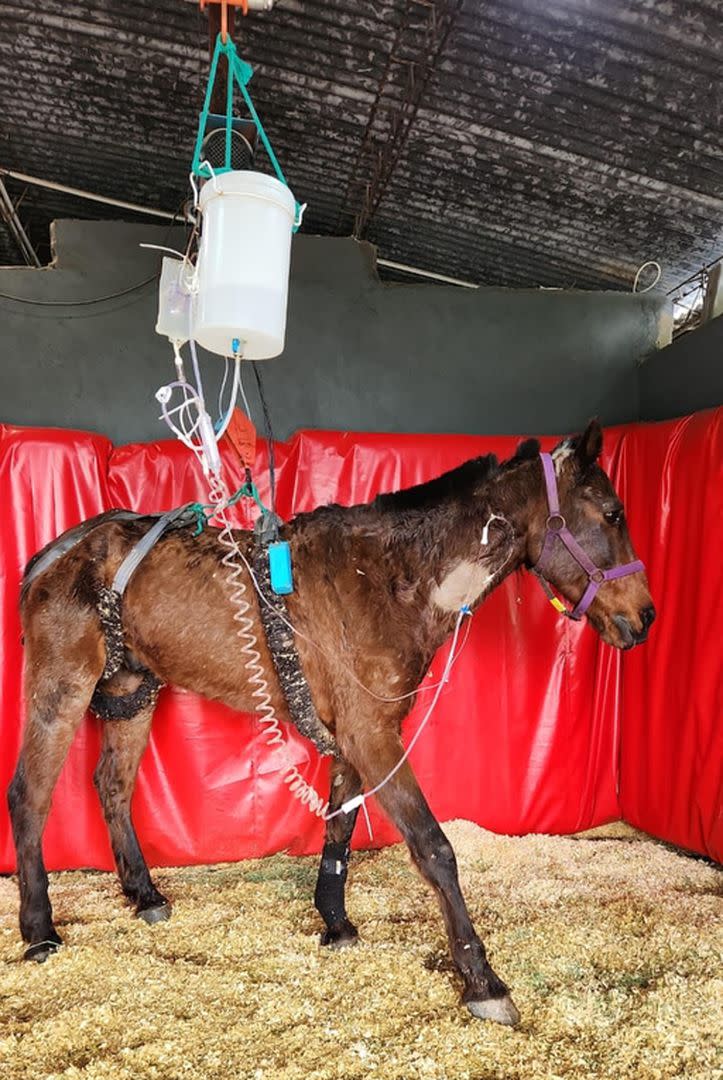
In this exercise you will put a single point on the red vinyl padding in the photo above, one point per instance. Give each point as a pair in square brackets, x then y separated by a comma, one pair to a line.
[525, 739]
[49, 481]
[671, 775]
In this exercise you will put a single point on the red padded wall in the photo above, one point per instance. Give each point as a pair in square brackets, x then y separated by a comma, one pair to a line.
[671, 774]
[524, 739]
[49, 481]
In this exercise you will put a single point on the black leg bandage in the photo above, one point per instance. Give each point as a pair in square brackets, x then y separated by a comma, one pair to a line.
[329, 895]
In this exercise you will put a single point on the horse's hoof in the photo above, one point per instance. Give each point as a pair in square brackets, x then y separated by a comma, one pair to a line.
[502, 1010]
[153, 915]
[340, 937]
[42, 950]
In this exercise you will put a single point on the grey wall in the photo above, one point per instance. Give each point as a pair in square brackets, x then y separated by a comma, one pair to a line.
[684, 377]
[361, 355]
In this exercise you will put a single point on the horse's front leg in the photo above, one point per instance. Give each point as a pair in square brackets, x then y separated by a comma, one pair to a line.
[374, 753]
[329, 895]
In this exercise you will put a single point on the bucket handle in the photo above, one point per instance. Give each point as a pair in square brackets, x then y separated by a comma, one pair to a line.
[299, 216]
[204, 165]
[298, 211]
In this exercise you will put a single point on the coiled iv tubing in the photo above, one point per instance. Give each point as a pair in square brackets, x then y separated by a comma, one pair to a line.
[235, 562]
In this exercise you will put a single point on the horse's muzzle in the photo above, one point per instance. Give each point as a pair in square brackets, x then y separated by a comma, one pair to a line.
[631, 637]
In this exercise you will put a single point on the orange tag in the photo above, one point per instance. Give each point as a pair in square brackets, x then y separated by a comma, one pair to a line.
[241, 433]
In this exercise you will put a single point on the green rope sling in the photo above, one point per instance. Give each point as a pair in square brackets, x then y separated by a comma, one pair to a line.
[240, 72]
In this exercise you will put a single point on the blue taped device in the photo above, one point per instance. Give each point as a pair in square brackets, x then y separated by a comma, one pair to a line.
[282, 578]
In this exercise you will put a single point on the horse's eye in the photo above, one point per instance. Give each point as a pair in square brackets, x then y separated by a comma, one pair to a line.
[614, 517]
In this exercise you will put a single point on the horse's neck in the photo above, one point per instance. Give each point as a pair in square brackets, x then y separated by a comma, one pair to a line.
[471, 550]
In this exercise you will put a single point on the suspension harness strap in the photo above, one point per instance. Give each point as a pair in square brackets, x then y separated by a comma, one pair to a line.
[274, 619]
[182, 515]
[285, 657]
[67, 541]
[556, 529]
[197, 514]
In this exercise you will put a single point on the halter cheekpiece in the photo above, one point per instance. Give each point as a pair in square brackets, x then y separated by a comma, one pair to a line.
[556, 529]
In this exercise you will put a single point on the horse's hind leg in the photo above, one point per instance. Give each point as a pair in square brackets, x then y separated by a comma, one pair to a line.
[329, 895]
[58, 694]
[115, 777]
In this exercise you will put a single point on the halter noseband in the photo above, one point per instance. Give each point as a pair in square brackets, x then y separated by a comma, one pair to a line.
[556, 528]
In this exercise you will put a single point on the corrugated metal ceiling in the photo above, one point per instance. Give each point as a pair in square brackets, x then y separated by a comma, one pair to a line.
[509, 142]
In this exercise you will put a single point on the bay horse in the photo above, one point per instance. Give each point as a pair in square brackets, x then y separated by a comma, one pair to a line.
[378, 590]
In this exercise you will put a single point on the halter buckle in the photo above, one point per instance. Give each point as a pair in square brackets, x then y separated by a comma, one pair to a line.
[598, 577]
[555, 523]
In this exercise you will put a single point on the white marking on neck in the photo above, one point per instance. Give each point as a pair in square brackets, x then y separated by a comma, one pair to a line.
[464, 584]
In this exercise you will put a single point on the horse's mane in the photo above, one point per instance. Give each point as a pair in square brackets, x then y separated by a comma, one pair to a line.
[453, 484]
[409, 506]
[456, 483]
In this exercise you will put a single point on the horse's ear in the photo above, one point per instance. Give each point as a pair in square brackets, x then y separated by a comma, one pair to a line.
[529, 448]
[589, 445]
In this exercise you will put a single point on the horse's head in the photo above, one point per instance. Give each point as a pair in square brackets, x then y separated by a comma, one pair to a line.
[579, 542]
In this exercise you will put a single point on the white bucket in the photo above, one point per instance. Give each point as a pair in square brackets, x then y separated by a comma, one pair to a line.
[243, 264]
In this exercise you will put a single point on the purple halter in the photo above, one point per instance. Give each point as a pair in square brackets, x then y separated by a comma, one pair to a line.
[556, 528]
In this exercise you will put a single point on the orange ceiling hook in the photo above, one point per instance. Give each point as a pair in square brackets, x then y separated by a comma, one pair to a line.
[243, 4]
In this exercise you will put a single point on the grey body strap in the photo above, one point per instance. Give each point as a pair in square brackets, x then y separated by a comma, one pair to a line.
[68, 540]
[182, 515]
[139, 551]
